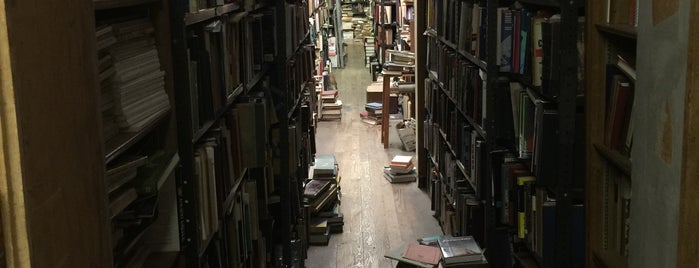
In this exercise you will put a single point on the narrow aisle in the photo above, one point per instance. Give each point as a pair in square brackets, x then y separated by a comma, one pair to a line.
[378, 215]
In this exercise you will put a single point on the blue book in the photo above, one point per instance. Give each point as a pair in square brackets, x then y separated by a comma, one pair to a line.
[525, 26]
[506, 36]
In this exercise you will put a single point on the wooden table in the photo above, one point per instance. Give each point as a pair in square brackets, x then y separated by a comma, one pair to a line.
[387, 90]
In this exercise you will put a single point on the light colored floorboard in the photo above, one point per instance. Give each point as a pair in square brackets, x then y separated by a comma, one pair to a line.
[378, 215]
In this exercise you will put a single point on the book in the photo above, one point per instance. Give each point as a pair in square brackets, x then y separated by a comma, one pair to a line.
[325, 164]
[424, 254]
[397, 254]
[459, 249]
[401, 160]
[318, 226]
[315, 187]
[400, 178]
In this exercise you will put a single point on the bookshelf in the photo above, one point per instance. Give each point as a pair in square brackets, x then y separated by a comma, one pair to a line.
[240, 132]
[497, 139]
[138, 124]
[610, 86]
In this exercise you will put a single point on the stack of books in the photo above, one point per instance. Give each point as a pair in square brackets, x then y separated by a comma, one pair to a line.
[369, 50]
[139, 84]
[372, 114]
[105, 68]
[401, 169]
[330, 105]
[322, 195]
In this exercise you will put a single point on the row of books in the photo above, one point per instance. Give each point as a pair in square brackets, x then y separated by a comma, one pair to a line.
[221, 60]
[620, 94]
[462, 81]
[535, 124]
[322, 195]
[299, 73]
[460, 23]
[527, 207]
[297, 26]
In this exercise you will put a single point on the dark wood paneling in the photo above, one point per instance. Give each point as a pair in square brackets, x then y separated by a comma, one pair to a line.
[52, 50]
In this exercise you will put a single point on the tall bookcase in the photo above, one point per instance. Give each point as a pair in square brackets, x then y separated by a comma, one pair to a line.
[386, 21]
[611, 78]
[135, 79]
[244, 137]
[503, 114]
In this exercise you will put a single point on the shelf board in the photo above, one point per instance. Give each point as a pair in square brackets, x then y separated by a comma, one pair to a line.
[205, 244]
[299, 46]
[168, 170]
[227, 8]
[297, 103]
[481, 64]
[623, 30]
[458, 162]
[110, 4]
[125, 140]
[614, 157]
[257, 77]
[202, 15]
[228, 204]
[231, 98]
[470, 120]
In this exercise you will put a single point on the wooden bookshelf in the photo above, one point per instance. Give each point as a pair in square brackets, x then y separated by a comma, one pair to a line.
[607, 38]
[256, 69]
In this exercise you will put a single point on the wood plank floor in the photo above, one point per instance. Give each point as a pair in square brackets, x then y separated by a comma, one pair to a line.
[378, 215]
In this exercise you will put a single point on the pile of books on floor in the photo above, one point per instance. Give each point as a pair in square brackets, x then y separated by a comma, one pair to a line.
[372, 114]
[322, 195]
[330, 105]
[401, 169]
[442, 251]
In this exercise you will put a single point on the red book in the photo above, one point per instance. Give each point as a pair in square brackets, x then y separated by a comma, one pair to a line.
[424, 254]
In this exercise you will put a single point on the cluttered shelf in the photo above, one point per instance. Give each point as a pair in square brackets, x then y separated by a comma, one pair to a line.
[470, 120]
[229, 101]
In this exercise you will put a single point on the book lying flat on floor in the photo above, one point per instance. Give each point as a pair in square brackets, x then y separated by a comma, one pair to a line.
[397, 254]
[424, 254]
[459, 249]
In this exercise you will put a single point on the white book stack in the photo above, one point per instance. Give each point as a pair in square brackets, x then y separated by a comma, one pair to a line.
[105, 69]
[139, 93]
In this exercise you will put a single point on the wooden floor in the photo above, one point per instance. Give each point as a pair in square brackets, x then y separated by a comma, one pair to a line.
[378, 215]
